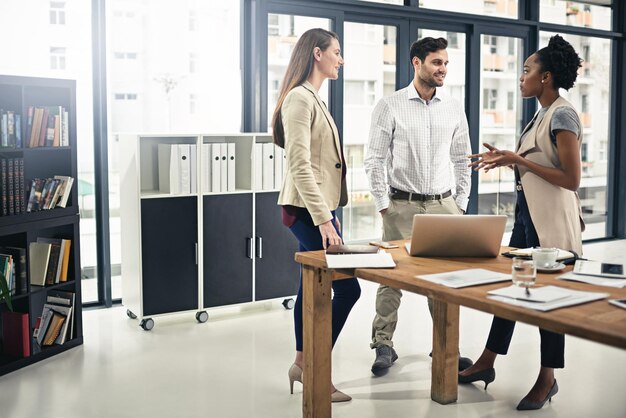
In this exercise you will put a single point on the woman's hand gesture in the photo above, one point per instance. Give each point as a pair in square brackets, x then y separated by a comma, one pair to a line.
[493, 158]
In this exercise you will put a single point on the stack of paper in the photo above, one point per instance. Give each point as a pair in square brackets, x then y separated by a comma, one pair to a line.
[464, 278]
[599, 281]
[544, 298]
[381, 259]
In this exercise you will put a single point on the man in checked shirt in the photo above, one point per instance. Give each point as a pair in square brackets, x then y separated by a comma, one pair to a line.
[419, 136]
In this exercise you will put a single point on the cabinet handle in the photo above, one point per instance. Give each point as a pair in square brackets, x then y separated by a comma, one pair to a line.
[249, 247]
[259, 247]
[196, 244]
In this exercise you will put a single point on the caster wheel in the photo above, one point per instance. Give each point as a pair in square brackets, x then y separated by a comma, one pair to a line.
[130, 314]
[202, 317]
[147, 324]
[289, 303]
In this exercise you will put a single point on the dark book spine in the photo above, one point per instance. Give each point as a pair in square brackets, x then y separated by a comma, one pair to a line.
[22, 188]
[18, 130]
[16, 186]
[29, 125]
[3, 183]
[10, 187]
[53, 261]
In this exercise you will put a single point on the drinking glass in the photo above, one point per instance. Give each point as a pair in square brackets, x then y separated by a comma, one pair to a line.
[523, 273]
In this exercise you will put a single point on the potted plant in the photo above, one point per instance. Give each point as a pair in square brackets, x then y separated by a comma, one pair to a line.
[5, 293]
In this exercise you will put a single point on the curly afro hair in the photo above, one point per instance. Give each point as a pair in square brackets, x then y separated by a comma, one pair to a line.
[560, 58]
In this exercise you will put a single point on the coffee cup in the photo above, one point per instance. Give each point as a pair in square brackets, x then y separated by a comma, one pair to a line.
[545, 257]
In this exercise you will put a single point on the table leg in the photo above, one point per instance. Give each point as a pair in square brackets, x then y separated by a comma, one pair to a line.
[444, 386]
[317, 324]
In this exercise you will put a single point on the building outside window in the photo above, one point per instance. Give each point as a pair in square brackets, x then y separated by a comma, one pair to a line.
[57, 13]
[57, 58]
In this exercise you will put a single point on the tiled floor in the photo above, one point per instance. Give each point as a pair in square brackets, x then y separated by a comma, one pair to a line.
[235, 365]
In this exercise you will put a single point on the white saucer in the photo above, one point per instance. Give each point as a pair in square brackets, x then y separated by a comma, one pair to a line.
[556, 267]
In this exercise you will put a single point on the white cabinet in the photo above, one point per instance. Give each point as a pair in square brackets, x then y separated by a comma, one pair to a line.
[198, 234]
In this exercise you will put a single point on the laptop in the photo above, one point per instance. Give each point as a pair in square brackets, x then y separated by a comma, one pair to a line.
[456, 235]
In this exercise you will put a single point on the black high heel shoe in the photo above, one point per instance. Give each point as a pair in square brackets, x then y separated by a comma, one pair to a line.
[486, 375]
[526, 405]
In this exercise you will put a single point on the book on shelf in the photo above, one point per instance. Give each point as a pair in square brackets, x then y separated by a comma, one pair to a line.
[49, 193]
[56, 319]
[15, 335]
[47, 126]
[19, 268]
[63, 302]
[10, 129]
[53, 319]
[64, 191]
[65, 260]
[7, 271]
[55, 262]
[38, 256]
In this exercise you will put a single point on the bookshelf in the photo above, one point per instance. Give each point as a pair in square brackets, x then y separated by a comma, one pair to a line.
[21, 228]
[197, 248]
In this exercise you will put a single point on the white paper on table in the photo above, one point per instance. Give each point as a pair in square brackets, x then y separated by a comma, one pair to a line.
[464, 278]
[599, 281]
[381, 259]
[537, 295]
[576, 297]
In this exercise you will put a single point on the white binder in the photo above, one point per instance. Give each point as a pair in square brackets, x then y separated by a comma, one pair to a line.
[169, 179]
[268, 166]
[216, 170]
[193, 169]
[206, 168]
[279, 158]
[184, 159]
[224, 167]
[258, 166]
[231, 163]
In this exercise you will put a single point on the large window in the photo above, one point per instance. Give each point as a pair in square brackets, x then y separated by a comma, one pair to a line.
[283, 33]
[500, 119]
[59, 47]
[589, 14]
[502, 8]
[589, 97]
[369, 74]
[183, 76]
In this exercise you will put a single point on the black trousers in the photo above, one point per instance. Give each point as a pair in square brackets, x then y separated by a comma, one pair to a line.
[552, 344]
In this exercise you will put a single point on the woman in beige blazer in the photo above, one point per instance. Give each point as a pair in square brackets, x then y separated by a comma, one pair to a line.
[315, 183]
[547, 170]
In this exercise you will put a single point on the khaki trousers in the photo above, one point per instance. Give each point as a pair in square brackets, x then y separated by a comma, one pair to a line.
[397, 224]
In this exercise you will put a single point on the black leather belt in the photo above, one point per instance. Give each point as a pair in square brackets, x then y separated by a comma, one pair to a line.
[401, 195]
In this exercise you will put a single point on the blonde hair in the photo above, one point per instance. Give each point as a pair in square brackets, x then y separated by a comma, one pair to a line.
[298, 70]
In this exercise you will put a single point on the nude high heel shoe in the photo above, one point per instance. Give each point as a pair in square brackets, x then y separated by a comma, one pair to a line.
[339, 396]
[295, 375]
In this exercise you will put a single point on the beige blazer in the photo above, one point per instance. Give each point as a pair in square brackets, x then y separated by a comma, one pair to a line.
[555, 211]
[313, 176]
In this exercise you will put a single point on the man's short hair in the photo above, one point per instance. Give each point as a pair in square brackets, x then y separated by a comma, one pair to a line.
[425, 46]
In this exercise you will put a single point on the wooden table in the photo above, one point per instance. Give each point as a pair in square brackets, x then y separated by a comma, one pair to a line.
[596, 321]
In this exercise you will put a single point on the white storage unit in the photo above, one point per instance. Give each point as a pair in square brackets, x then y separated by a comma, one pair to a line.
[210, 240]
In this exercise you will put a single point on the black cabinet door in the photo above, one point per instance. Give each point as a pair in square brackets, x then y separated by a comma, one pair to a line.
[277, 274]
[227, 234]
[169, 231]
